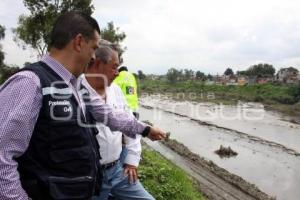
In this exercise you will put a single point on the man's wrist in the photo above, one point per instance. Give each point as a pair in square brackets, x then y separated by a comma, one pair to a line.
[146, 131]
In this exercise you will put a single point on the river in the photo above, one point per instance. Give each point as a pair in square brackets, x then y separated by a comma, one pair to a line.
[267, 143]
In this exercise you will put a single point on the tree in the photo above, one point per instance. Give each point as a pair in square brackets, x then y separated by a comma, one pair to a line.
[114, 35]
[34, 30]
[261, 70]
[188, 74]
[174, 75]
[141, 75]
[209, 77]
[5, 71]
[228, 72]
[200, 76]
[26, 64]
[2, 32]
[242, 73]
[2, 35]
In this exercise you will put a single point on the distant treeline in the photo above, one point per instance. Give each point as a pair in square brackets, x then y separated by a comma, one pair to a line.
[174, 75]
[266, 93]
[259, 70]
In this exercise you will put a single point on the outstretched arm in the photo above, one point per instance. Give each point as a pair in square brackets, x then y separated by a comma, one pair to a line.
[120, 120]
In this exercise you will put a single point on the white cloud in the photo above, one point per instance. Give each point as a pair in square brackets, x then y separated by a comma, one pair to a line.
[206, 35]
[200, 34]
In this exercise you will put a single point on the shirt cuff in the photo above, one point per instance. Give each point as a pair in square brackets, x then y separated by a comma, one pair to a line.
[132, 160]
[146, 131]
[142, 128]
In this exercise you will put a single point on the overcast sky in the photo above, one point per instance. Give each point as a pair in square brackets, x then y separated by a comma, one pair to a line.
[205, 35]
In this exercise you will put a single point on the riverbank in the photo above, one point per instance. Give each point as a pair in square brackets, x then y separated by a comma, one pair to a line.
[164, 180]
[209, 166]
[214, 182]
[284, 99]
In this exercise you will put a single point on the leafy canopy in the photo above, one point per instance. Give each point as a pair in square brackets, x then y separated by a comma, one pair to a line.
[34, 30]
[2, 35]
[5, 71]
[114, 35]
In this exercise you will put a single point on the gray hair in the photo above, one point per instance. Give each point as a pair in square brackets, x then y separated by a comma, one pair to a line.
[105, 51]
[113, 46]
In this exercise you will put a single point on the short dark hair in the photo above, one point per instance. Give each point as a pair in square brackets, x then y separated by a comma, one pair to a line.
[123, 68]
[69, 24]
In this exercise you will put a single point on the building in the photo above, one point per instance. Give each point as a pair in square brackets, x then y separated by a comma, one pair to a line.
[263, 80]
[242, 80]
[288, 75]
[232, 80]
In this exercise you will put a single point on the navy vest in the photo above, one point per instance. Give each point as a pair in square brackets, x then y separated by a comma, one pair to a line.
[63, 153]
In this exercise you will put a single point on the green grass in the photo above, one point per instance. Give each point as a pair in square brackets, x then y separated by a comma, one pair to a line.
[164, 180]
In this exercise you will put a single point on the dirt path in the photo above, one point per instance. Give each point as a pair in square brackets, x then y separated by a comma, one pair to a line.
[216, 183]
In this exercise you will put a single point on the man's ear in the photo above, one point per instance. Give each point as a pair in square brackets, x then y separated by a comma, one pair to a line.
[78, 42]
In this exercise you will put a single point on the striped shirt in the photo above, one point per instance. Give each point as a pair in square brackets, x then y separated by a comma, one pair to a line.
[20, 103]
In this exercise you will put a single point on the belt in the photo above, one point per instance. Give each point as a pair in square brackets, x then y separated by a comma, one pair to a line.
[109, 165]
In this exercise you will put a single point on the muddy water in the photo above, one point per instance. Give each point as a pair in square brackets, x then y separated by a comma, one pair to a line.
[272, 169]
[249, 118]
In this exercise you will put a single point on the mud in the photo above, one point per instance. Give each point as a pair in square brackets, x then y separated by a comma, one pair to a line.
[226, 152]
[230, 178]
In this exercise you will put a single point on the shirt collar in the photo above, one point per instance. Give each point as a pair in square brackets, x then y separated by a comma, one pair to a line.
[56, 66]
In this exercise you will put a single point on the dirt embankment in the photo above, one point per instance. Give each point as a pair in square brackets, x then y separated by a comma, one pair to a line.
[235, 186]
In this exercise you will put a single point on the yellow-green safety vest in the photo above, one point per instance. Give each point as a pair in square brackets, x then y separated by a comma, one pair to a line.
[127, 83]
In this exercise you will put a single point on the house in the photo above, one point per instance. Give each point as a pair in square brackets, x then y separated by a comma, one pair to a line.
[288, 75]
[263, 80]
[231, 80]
[242, 80]
[218, 80]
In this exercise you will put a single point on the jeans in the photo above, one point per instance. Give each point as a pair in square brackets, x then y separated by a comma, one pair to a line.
[123, 154]
[115, 182]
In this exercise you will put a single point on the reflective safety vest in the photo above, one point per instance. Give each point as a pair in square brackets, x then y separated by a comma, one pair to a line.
[126, 81]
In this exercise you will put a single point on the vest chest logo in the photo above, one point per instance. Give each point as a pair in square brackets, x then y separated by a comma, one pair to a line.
[58, 104]
[60, 109]
[130, 90]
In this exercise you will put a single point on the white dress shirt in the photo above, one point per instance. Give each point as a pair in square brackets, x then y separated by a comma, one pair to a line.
[111, 141]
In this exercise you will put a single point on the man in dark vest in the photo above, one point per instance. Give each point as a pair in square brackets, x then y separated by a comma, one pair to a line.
[47, 136]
